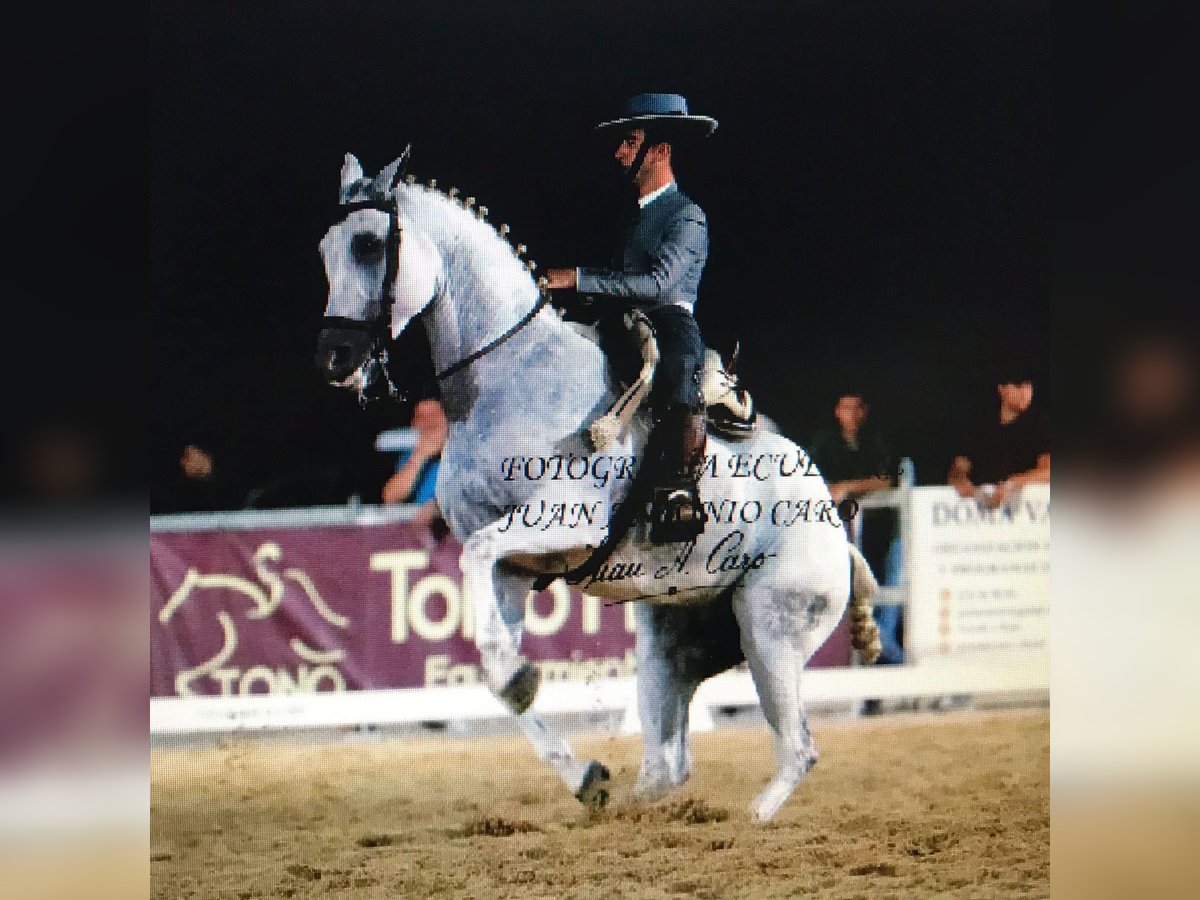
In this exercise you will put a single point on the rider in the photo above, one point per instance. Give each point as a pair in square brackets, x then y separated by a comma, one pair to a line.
[661, 262]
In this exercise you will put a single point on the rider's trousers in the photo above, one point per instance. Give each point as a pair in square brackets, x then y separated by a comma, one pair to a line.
[681, 358]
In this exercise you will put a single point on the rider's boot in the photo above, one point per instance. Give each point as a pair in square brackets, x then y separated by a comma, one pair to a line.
[677, 514]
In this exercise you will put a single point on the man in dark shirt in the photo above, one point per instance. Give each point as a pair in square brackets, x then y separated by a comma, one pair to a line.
[853, 458]
[1010, 452]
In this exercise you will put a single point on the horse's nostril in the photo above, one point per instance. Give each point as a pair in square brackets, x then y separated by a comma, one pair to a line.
[340, 351]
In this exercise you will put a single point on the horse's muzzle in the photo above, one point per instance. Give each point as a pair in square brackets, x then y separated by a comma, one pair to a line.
[341, 352]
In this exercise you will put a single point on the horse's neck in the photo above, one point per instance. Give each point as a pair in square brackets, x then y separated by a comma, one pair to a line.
[525, 364]
[469, 313]
[485, 291]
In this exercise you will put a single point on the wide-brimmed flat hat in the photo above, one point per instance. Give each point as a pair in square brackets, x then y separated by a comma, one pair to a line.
[660, 110]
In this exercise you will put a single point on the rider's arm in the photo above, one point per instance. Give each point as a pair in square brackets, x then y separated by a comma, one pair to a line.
[684, 243]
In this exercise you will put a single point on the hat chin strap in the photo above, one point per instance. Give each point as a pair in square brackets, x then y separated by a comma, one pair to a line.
[636, 166]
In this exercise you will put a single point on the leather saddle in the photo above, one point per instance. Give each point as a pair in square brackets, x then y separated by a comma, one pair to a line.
[729, 408]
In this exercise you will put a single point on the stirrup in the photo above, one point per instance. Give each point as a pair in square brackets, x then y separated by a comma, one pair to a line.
[677, 516]
[737, 425]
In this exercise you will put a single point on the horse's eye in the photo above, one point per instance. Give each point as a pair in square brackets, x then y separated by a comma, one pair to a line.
[367, 248]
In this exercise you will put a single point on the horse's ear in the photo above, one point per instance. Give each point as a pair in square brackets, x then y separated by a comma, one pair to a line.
[352, 173]
[385, 181]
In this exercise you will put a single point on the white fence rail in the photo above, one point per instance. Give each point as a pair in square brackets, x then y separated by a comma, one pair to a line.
[979, 675]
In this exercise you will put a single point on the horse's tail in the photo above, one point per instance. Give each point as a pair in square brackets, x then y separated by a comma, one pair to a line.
[864, 633]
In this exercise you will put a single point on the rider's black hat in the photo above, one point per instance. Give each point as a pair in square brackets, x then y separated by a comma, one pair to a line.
[665, 113]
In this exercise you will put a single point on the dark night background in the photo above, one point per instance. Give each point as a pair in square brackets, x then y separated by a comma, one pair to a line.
[877, 196]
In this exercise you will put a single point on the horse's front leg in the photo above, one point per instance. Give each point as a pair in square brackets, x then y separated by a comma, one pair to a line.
[499, 594]
[498, 589]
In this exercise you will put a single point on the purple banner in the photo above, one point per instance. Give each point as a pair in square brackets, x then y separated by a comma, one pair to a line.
[331, 608]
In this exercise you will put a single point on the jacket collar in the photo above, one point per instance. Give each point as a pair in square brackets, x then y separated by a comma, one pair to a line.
[667, 188]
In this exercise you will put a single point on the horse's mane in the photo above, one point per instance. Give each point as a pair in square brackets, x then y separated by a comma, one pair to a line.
[471, 246]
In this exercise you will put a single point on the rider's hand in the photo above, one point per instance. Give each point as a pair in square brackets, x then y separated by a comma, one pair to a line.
[560, 279]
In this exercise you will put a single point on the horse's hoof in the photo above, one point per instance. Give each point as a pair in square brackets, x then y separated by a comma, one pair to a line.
[519, 691]
[771, 800]
[594, 790]
[652, 792]
[650, 788]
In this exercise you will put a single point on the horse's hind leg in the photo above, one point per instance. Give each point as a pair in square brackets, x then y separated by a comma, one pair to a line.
[664, 693]
[677, 648]
[776, 627]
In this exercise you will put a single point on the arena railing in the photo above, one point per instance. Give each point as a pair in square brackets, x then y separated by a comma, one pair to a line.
[923, 674]
[352, 513]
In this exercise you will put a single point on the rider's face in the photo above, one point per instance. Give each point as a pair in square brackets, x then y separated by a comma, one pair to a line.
[628, 148]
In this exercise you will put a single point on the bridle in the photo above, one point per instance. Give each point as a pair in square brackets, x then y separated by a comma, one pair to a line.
[377, 383]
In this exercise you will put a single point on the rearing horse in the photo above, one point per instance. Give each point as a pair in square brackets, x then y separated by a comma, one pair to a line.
[767, 581]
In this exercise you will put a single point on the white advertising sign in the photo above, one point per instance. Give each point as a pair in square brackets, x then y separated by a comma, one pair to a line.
[979, 577]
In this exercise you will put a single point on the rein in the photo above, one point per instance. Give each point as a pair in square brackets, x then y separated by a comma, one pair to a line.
[492, 345]
[379, 327]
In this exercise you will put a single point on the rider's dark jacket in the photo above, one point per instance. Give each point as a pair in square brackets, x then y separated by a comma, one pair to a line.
[663, 255]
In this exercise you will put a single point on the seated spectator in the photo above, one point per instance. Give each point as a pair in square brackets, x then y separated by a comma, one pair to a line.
[197, 479]
[1010, 451]
[855, 460]
[415, 479]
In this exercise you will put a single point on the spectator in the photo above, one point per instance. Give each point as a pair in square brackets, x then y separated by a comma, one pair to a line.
[415, 478]
[1012, 451]
[855, 460]
[62, 465]
[1009, 452]
[196, 480]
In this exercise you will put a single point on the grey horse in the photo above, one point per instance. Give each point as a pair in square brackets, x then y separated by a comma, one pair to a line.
[527, 494]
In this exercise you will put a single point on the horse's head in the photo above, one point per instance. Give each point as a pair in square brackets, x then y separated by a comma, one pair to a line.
[382, 271]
